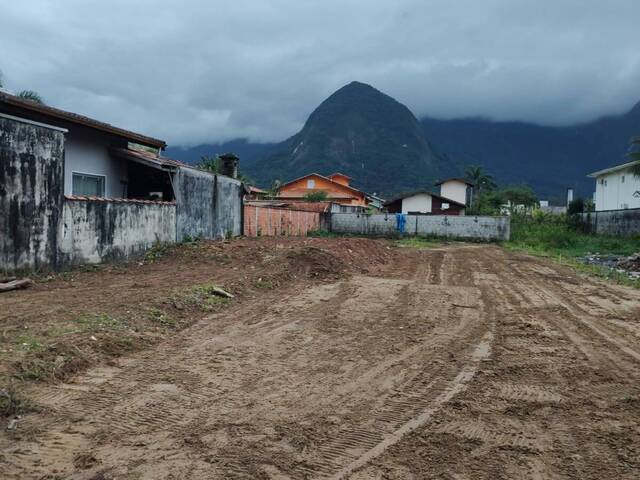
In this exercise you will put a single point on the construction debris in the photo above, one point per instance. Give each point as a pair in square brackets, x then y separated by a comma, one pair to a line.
[15, 284]
[221, 292]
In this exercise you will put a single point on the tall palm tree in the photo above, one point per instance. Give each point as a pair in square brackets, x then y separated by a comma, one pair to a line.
[31, 95]
[481, 181]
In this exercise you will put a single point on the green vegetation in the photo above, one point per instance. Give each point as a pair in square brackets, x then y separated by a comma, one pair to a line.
[323, 234]
[94, 322]
[212, 163]
[204, 297]
[162, 318]
[418, 242]
[559, 237]
[317, 196]
[11, 401]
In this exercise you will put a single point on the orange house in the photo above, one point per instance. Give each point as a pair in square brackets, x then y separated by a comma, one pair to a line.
[335, 185]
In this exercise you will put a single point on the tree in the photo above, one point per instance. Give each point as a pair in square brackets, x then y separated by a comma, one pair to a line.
[481, 180]
[31, 95]
[274, 188]
[317, 196]
[210, 163]
[520, 195]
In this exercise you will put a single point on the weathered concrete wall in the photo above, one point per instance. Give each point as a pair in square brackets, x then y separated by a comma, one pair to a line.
[466, 227]
[208, 205]
[269, 221]
[31, 172]
[623, 223]
[97, 231]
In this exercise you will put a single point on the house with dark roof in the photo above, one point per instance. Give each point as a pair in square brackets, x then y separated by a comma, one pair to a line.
[100, 160]
[76, 190]
[424, 202]
[455, 195]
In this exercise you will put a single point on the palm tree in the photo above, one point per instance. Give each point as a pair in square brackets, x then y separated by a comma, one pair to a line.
[31, 95]
[482, 182]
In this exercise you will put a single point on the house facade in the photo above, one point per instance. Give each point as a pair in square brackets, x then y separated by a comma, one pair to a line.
[75, 190]
[425, 203]
[457, 189]
[336, 186]
[616, 188]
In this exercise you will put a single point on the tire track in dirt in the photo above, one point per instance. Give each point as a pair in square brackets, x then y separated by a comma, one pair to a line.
[457, 385]
[412, 404]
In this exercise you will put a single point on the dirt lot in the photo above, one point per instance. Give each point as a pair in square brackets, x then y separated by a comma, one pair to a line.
[338, 358]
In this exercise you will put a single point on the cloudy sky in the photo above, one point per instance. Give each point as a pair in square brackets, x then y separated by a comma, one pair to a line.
[202, 71]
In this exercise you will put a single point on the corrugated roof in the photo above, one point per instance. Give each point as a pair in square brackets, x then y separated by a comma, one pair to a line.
[146, 157]
[71, 117]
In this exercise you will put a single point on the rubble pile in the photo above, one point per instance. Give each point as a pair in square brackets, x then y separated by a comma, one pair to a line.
[627, 265]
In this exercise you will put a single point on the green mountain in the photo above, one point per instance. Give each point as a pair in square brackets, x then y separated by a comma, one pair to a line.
[363, 133]
[550, 159]
[371, 137]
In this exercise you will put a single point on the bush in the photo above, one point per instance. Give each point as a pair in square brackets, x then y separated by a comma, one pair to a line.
[317, 196]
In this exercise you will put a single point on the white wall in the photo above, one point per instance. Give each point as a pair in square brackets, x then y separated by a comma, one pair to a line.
[454, 190]
[617, 193]
[88, 153]
[420, 202]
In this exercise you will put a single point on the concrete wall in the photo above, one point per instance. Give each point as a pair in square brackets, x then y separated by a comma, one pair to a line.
[269, 221]
[96, 231]
[88, 152]
[31, 170]
[208, 205]
[465, 227]
[613, 222]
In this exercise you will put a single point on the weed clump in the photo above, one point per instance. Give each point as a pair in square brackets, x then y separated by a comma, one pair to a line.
[12, 402]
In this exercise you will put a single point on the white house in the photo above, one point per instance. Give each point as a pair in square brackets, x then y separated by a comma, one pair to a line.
[457, 189]
[617, 188]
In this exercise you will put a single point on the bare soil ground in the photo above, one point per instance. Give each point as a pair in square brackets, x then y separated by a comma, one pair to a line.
[339, 358]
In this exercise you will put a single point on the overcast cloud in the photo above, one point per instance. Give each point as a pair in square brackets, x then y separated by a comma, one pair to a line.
[204, 71]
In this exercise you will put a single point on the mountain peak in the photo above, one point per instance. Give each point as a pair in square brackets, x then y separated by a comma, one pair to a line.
[364, 133]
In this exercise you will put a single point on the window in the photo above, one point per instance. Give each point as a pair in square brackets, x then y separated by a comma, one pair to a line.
[622, 179]
[311, 183]
[445, 206]
[89, 185]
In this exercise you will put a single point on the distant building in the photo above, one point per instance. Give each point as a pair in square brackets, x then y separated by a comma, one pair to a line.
[336, 186]
[424, 202]
[617, 188]
[457, 189]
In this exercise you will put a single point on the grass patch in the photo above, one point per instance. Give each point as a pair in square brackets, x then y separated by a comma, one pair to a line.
[554, 237]
[93, 322]
[323, 234]
[158, 251]
[202, 296]
[418, 242]
[158, 316]
[12, 402]
[28, 343]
